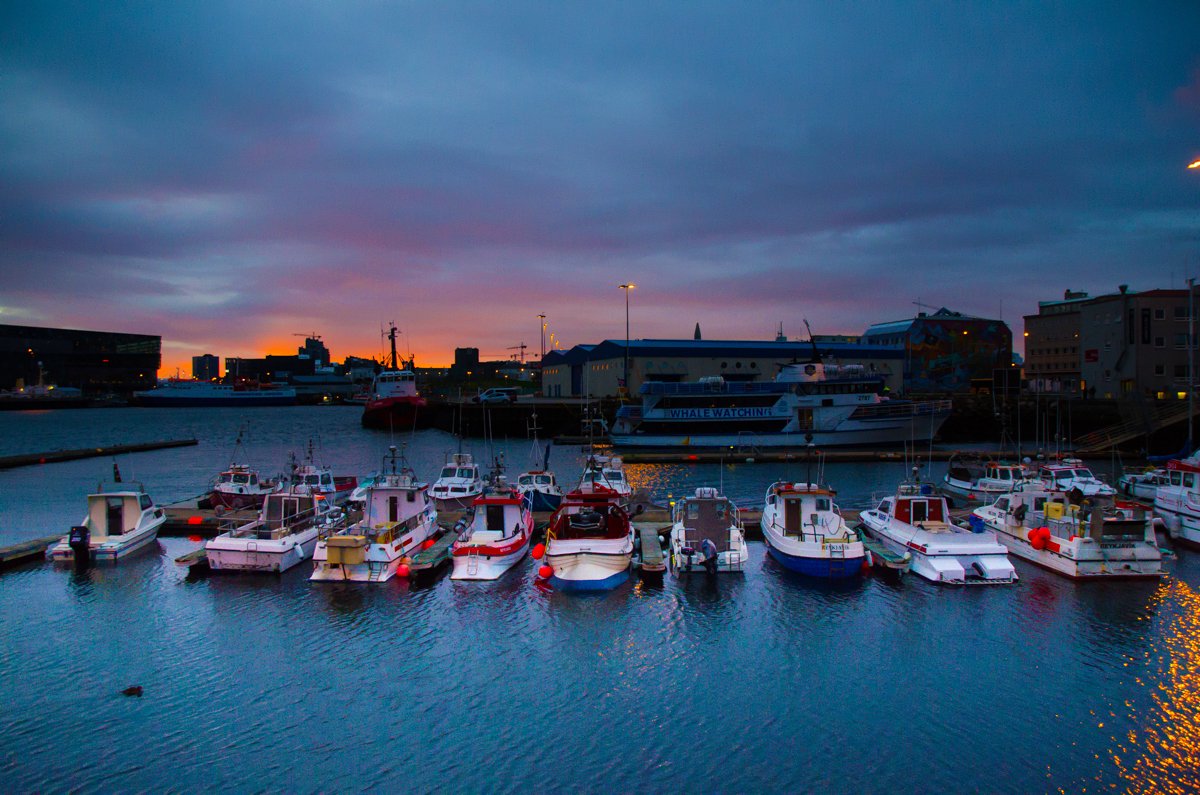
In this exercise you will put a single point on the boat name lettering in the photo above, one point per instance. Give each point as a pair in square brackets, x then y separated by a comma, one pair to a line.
[719, 413]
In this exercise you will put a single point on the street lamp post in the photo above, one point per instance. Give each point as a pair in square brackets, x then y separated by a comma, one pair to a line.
[627, 288]
[542, 317]
[1191, 348]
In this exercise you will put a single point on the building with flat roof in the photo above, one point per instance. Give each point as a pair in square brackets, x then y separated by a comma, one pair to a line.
[947, 351]
[96, 362]
[597, 370]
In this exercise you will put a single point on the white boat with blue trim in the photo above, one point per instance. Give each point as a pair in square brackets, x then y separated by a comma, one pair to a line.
[805, 532]
[826, 404]
[283, 535]
[589, 543]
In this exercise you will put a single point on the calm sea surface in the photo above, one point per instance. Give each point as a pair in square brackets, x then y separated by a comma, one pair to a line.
[763, 681]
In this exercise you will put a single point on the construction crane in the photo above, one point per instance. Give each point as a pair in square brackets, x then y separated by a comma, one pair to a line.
[313, 335]
[924, 306]
[520, 356]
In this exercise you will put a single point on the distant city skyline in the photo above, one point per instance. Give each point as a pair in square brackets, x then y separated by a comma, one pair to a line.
[227, 175]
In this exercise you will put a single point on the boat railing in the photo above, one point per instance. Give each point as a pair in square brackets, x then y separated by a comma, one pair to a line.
[896, 408]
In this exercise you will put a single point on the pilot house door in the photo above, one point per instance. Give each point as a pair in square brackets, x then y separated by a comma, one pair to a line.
[115, 524]
[791, 517]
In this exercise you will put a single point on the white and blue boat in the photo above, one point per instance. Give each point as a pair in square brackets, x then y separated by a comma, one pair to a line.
[589, 543]
[806, 533]
[825, 404]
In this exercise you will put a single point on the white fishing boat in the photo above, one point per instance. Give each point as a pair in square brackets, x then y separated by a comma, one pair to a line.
[707, 535]
[805, 532]
[120, 521]
[458, 485]
[1097, 539]
[538, 481]
[917, 521]
[314, 478]
[1178, 502]
[497, 536]
[1143, 485]
[398, 519]
[982, 482]
[589, 543]
[1071, 474]
[284, 534]
[603, 473]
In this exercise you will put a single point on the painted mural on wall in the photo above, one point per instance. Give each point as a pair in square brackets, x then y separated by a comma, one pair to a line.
[941, 358]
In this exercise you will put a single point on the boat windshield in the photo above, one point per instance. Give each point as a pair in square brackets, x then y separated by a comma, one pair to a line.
[1081, 473]
[226, 477]
[312, 480]
[448, 472]
[544, 480]
[525, 480]
[241, 478]
[466, 472]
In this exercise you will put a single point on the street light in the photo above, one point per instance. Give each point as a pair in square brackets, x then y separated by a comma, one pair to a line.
[627, 288]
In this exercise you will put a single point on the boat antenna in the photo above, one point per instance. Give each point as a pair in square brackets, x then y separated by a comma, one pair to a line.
[116, 472]
[809, 446]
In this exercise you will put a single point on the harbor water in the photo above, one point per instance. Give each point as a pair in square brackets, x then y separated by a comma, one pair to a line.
[763, 681]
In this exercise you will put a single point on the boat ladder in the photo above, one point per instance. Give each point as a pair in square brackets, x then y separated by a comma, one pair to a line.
[836, 550]
[473, 562]
[375, 570]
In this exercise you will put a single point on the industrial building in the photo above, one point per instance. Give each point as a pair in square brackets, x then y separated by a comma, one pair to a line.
[96, 362]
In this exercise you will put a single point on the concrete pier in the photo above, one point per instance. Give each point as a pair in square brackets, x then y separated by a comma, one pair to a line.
[55, 456]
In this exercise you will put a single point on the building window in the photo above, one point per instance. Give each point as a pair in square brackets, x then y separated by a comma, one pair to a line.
[1160, 342]
[1160, 369]
[1181, 371]
[1181, 313]
[1160, 314]
[1181, 340]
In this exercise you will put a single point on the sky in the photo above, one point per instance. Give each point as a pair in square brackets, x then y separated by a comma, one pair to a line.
[229, 175]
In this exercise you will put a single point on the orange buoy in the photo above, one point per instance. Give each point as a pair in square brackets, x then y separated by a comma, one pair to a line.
[402, 570]
[427, 543]
[545, 572]
[538, 551]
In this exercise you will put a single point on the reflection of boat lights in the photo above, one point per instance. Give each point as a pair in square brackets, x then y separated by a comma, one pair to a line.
[1163, 755]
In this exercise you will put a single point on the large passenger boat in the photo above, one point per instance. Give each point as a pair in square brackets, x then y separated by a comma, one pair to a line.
[175, 393]
[1095, 540]
[824, 404]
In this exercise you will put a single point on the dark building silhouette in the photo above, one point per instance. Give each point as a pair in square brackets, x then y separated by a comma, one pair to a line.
[97, 362]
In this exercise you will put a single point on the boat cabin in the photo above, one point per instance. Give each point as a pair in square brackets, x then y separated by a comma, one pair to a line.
[239, 476]
[496, 518]
[530, 480]
[1003, 473]
[914, 506]
[806, 509]
[284, 514]
[707, 516]
[116, 513]
[395, 383]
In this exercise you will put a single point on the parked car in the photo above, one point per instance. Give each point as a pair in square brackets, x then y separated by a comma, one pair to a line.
[500, 394]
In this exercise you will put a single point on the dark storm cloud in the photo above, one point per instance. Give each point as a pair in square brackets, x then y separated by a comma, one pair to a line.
[260, 162]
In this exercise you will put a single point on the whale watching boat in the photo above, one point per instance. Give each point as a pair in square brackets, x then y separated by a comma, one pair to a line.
[971, 481]
[838, 405]
[707, 534]
[1178, 502]
[175, 393]
[806, 533]
[916, 520]
[589, 542]
[284, 534]
[459, 484]
[498, 534]
[120, 521]
[398, 517]
[393, 402]
[1094, 540]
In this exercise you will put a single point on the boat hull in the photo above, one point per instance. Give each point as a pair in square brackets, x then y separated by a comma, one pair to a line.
[890, 435]
[543, 502]
[105, 551]
[262, 557]
[822, 567]
[481, 566]
[589, 571]
[399, 413]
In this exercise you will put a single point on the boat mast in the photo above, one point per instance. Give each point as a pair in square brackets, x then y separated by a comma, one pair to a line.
[392, 338]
